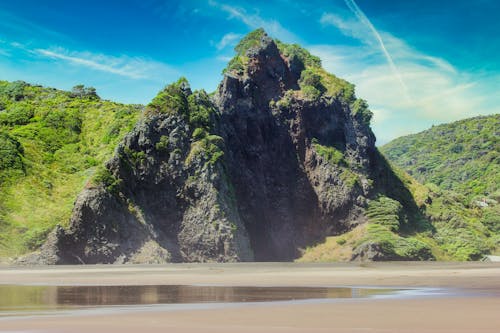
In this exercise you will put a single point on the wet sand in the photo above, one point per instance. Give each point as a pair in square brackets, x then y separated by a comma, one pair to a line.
[474, 305]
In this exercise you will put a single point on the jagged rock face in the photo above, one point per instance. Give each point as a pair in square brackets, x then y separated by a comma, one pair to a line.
[166, 211]
[288, 196]
[271, 193]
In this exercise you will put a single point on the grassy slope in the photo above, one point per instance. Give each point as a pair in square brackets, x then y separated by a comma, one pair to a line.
[449, 228]
[462, 156]
[458, 230]
[461, 162]
[60, 139]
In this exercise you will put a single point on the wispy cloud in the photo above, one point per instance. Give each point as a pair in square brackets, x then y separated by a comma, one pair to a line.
[130, 67]
[224, 58]
[363, 19]
[228, 39]
[255, 21]
[431, 80]
[440, 93]
[348, 27]
[136, 68]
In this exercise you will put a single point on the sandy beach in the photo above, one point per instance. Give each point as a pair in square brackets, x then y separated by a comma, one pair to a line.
[473, 306]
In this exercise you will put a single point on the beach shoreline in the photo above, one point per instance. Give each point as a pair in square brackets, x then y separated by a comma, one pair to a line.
[475, 310]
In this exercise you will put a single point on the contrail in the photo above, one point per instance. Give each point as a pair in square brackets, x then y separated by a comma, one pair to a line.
[362, 17]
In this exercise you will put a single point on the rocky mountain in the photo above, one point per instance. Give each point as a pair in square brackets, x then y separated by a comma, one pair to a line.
[273, 166]
[280, 156]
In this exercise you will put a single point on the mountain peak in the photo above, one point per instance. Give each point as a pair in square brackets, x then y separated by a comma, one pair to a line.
[256, 47]
[265, 69]
[254, 40]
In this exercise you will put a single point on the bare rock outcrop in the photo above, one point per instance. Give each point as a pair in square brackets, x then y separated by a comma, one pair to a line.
[255, 172]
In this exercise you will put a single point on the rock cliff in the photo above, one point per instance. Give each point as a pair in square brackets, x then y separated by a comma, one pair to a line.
[279, 157]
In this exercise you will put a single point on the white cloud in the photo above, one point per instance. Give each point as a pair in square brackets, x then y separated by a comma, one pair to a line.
[224, 58]
[17, 45]
[130, 67]
[349, 27]
[228, 39]
[254, 21]
[379, 116]
[438, 91]
[125, 66]
[353, 29]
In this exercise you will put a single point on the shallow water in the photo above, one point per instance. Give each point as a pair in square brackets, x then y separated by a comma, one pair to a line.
[15, 299]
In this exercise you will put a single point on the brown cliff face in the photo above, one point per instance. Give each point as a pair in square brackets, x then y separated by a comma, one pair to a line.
[271, 171]
[288, 195]
[156, 208]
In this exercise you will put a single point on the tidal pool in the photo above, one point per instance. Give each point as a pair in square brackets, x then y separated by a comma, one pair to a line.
[15, 299]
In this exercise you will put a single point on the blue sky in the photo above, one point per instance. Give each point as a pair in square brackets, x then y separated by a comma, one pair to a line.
[418, 63]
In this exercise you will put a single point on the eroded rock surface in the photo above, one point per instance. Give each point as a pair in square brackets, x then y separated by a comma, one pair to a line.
[269, 171]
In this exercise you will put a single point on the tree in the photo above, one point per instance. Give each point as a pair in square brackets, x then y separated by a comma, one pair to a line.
[80, 91]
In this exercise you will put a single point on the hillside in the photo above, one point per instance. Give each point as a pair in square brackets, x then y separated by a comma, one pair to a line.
[463, 156]
[51, 142]
[461, 161]
[278, 164]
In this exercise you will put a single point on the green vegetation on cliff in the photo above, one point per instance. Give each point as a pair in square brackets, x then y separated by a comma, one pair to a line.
[314, 81]
[199, 112]
[451, 227]
[442, 226]
[331, 154]
[51, 143]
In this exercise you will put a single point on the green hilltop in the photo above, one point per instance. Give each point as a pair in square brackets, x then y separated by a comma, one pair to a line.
[460, 162]
[51, 143]
[463, 156]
